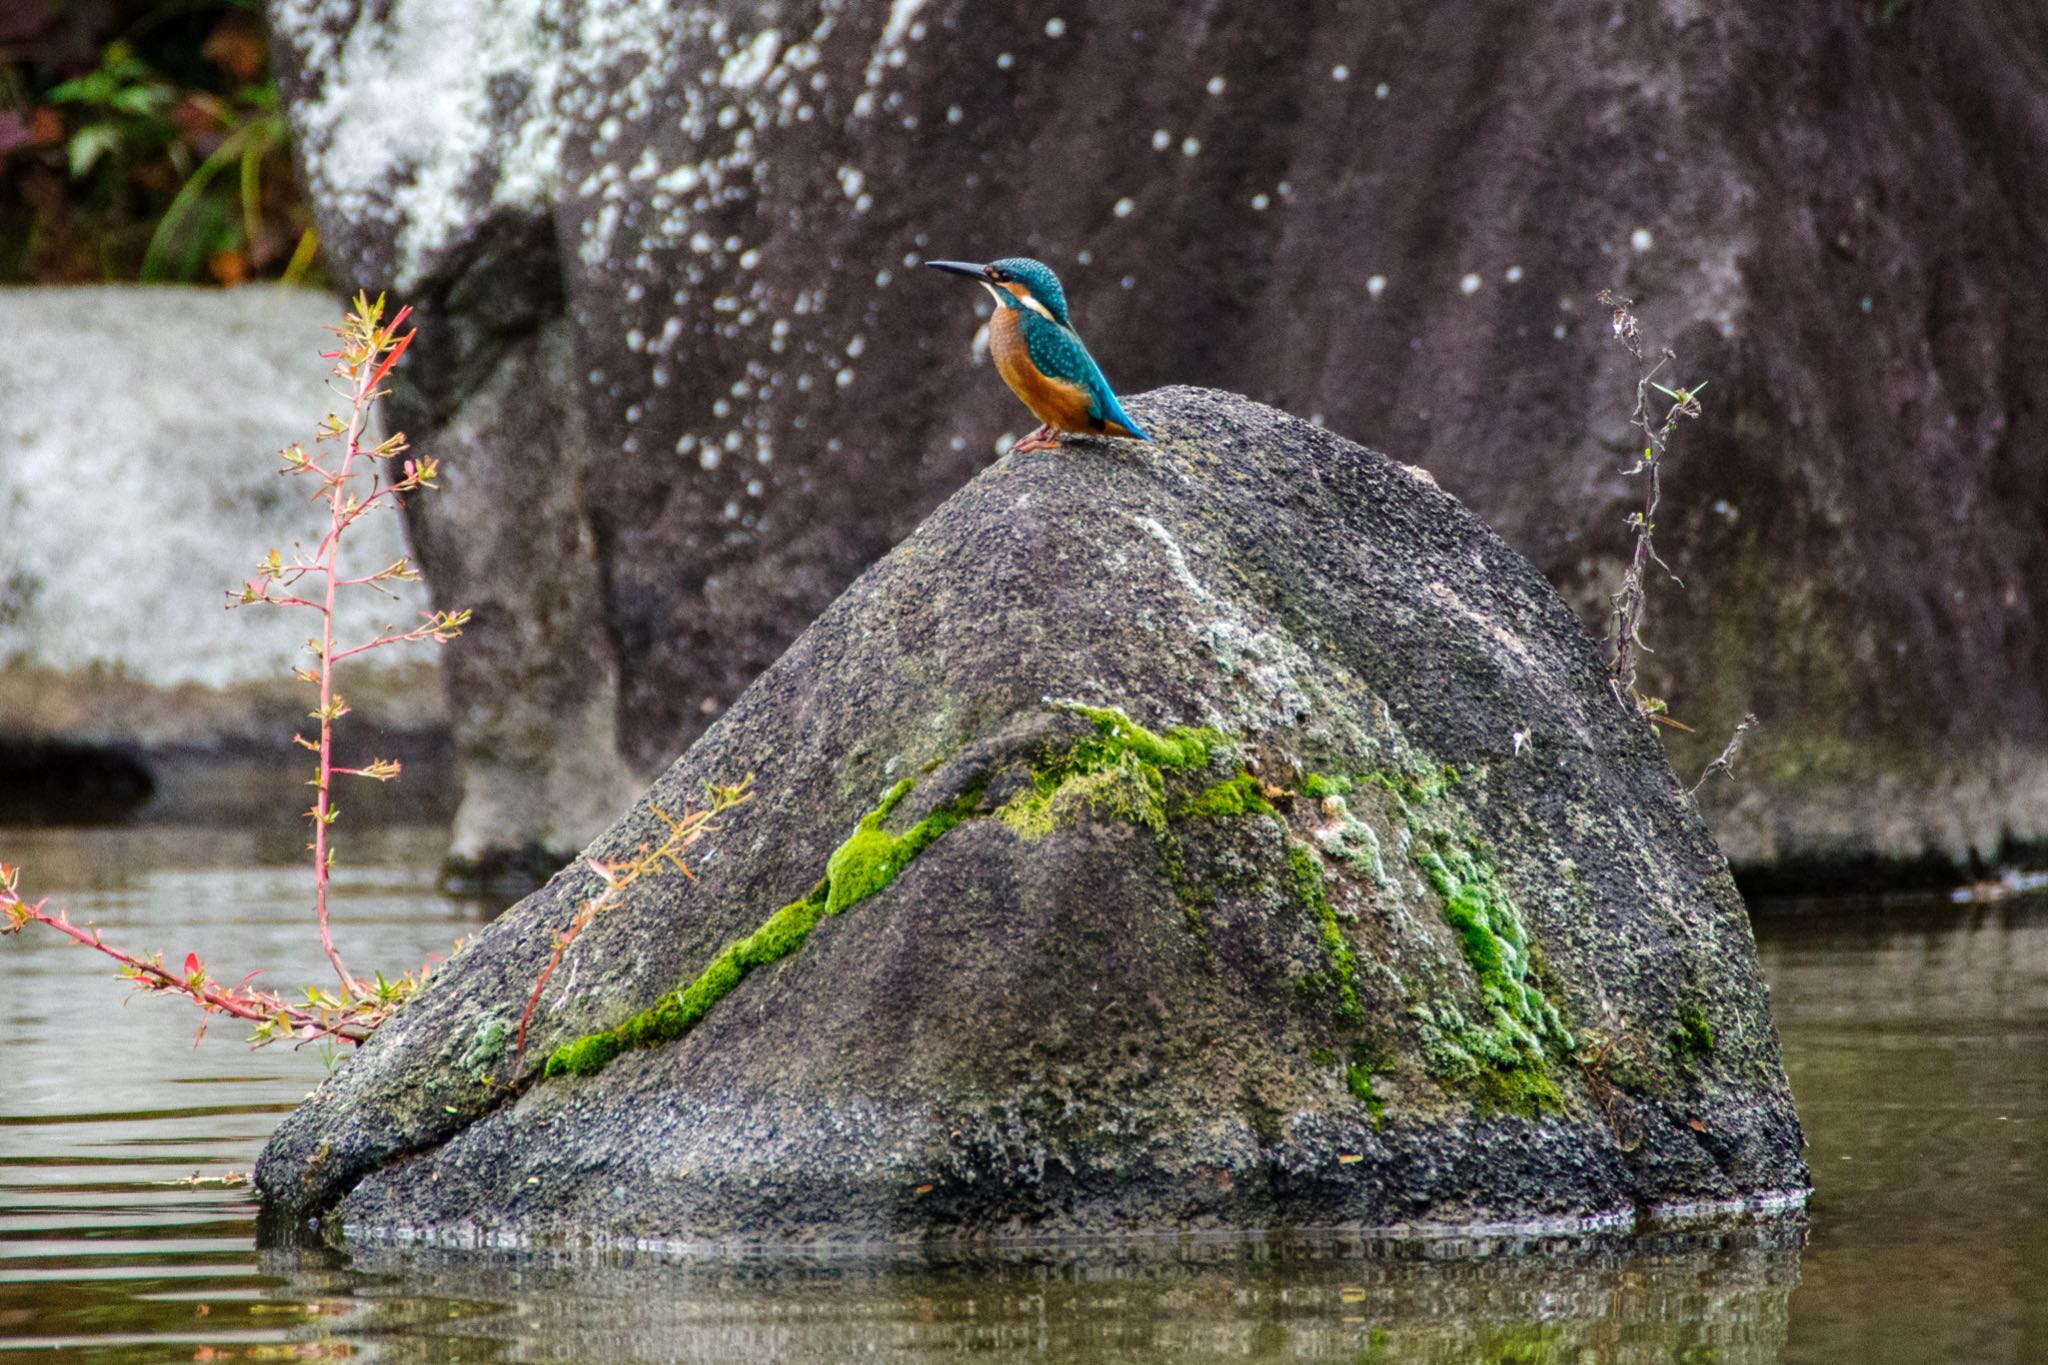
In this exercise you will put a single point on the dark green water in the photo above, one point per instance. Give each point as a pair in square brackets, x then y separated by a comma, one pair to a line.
[1916, 1038]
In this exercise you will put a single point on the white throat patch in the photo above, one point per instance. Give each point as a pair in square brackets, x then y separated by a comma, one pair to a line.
[1035, 306]
[1017, 298]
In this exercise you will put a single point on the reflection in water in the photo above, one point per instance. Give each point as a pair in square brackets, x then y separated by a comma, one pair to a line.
[1917, 1044]
[1334, 1300]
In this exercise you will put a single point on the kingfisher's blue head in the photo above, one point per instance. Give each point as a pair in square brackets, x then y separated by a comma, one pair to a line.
[1017, 282]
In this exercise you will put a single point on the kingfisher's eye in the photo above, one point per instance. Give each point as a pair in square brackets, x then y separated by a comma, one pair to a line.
[1000, 276]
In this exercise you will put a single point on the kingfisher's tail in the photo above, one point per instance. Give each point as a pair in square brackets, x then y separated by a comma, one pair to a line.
[1114, 415]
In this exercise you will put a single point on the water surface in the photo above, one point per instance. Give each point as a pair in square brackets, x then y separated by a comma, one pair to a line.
[1916, 1040]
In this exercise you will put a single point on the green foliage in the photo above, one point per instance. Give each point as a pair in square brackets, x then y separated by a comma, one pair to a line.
[167, 159]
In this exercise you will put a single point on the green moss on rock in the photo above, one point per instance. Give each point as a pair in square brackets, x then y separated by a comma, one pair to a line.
[1240, 795]
[871, 858]
[1181, 747]
[1316, 786]
[1358, 1080]
[1692, 1037]
[1417, 785]
[1112, 786]
[867, 862]
[676, 1013]
[585, 1056]
[1342, 975]
[1517, 1090]
[1119, 773]
[1502, 1055]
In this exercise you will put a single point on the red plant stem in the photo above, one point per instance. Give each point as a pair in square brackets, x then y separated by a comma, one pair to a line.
[365, 359]
[256, 1008]
[419, 633]
[329, 561]
[562, 942]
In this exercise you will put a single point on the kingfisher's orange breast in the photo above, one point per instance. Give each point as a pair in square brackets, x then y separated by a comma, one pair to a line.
[1060, 405]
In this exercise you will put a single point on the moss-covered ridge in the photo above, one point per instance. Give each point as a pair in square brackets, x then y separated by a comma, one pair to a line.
[868, 861]
[1118, 772]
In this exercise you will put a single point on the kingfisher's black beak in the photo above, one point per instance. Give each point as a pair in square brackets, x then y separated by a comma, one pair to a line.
[979, 272]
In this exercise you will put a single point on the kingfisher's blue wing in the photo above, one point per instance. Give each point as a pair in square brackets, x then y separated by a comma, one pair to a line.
[1058, 352]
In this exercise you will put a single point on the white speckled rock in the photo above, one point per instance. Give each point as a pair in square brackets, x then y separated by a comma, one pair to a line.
[755, 392]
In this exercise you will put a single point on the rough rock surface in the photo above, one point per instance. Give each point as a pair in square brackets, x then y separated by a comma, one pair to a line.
[1223, 832]
[139, 431]
[1396, 216]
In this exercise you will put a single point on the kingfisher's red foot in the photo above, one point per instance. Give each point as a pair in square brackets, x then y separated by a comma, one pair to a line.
[1045, 438]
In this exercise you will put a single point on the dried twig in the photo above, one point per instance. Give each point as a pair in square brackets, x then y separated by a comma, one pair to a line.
[1632, 597]
[1724, 762]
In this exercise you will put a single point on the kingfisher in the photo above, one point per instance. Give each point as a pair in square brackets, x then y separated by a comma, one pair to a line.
[1040, 356]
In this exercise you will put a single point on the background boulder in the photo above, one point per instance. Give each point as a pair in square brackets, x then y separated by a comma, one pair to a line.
[139, 433]
[1222, 832]
[665, 257]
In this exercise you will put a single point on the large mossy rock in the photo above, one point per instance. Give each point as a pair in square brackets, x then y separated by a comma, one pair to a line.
[1223, 832]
